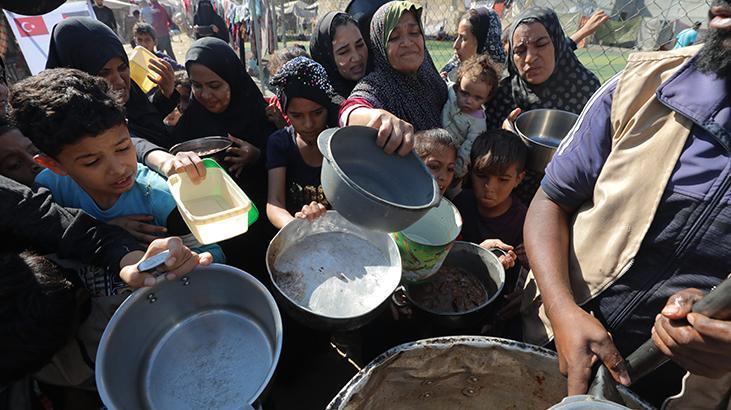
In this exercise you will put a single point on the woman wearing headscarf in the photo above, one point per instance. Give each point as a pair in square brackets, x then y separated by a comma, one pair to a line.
[227, 102]
[207, 23]
[90, 46]
[478, 32]
[553, 77]
[338, 46]
[543, 73]
[404, 92]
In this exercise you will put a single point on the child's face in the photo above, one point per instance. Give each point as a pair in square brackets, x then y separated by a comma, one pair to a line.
[440, 161]
[145, 41]
[308, 118]
[104, 165]
[16, 157]
[492, 191]
[471, 94]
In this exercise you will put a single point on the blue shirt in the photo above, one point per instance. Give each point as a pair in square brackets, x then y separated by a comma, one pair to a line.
[688, 243]
[686, 38]
[149, 195]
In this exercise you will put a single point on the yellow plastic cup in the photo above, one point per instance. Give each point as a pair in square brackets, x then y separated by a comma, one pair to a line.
[138, 71]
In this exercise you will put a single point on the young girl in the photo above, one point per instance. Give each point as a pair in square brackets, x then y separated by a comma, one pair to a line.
[463, 114]
[293, 159]
[438, 149]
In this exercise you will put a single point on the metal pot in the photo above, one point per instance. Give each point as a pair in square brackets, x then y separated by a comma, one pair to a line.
[543, 130]
[206, 147]
[370, 188]
[331, 274]
[209, 340]
[462, 372]
[479, 262]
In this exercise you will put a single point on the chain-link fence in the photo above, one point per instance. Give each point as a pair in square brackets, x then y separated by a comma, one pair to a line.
[633, 24]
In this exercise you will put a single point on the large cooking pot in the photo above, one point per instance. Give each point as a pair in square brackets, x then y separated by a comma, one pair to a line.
[331, 274]
[480, 264]
[371, 188]
[543, 130]
[462, 372]
[31, 7]
[209, 340]
[206, 147]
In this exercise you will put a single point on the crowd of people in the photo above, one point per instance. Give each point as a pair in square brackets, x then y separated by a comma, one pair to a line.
[627, 227]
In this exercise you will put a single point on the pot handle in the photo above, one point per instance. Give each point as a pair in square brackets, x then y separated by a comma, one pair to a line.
[323, 142]
[498, 252]
[398, 297]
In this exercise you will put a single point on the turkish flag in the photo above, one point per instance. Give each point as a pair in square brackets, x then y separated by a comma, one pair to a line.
[31, 26]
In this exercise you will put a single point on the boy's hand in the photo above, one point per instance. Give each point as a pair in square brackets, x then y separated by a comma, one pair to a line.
[165, 78]
[188, 162]
[180, 262]
[312, 211]
[240, 155]
[139, 228]
[508, 258]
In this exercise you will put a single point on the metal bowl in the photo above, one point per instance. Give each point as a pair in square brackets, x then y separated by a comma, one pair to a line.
[330, 274]
[206, 147]
[209, 340]
[483, 265]
[370, 188]
[461, 372]
[543, 130]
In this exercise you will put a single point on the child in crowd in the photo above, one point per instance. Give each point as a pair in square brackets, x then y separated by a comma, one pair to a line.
[438, 149]
[78, 124]
[182, 86]
[16, 154]
[279, 58]
[293, 158]
[144, 35]
[463, 114]
[489, 210]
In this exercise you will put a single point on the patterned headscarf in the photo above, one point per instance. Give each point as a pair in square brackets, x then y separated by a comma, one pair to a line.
[302, 77]
[488, 31]
[568, 88]
[416, 98]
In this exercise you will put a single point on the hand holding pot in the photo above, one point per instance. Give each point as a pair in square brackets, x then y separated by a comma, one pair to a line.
[312, 211]
[394, 134]
[240, 155]
[180, 261]
[508, 123]
[697, 343]
[508, 256]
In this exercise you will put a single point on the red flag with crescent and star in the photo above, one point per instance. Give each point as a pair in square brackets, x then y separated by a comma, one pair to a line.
[31, 26]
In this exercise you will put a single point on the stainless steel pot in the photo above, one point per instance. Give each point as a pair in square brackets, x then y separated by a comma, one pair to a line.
[461, 372]
[543, 130]
[209, 340]
[206, 147]
[480, 263]
[331, 274]
[370, 188]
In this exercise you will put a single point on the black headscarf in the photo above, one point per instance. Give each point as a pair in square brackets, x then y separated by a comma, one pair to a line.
[206, 16]
[416, 98]
[87, 44]
[305, 78]
[321, 50]
[568, 88]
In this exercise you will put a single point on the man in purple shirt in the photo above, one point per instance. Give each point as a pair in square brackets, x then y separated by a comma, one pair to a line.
[162, 22]
[687, 245]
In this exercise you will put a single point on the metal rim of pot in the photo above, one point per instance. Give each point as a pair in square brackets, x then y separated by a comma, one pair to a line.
[176, 148]
[324, 142]
[528, 140]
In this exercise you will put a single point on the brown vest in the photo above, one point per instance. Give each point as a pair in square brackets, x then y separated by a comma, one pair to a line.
[606, 232]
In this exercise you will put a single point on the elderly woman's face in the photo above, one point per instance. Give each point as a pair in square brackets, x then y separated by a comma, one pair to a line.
[405, 47]
[533, 53]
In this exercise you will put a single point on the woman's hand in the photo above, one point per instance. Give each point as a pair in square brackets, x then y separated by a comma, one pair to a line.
[165, 78]
[240, 155]
[508, 123]
[508, 258]
[188, 162]
[180, 262]
[139, 227]
[214, 28]
[394, 134]
[312, 211]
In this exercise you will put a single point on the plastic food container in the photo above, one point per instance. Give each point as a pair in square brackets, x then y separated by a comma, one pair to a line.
[216, 209]
[138, 71]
